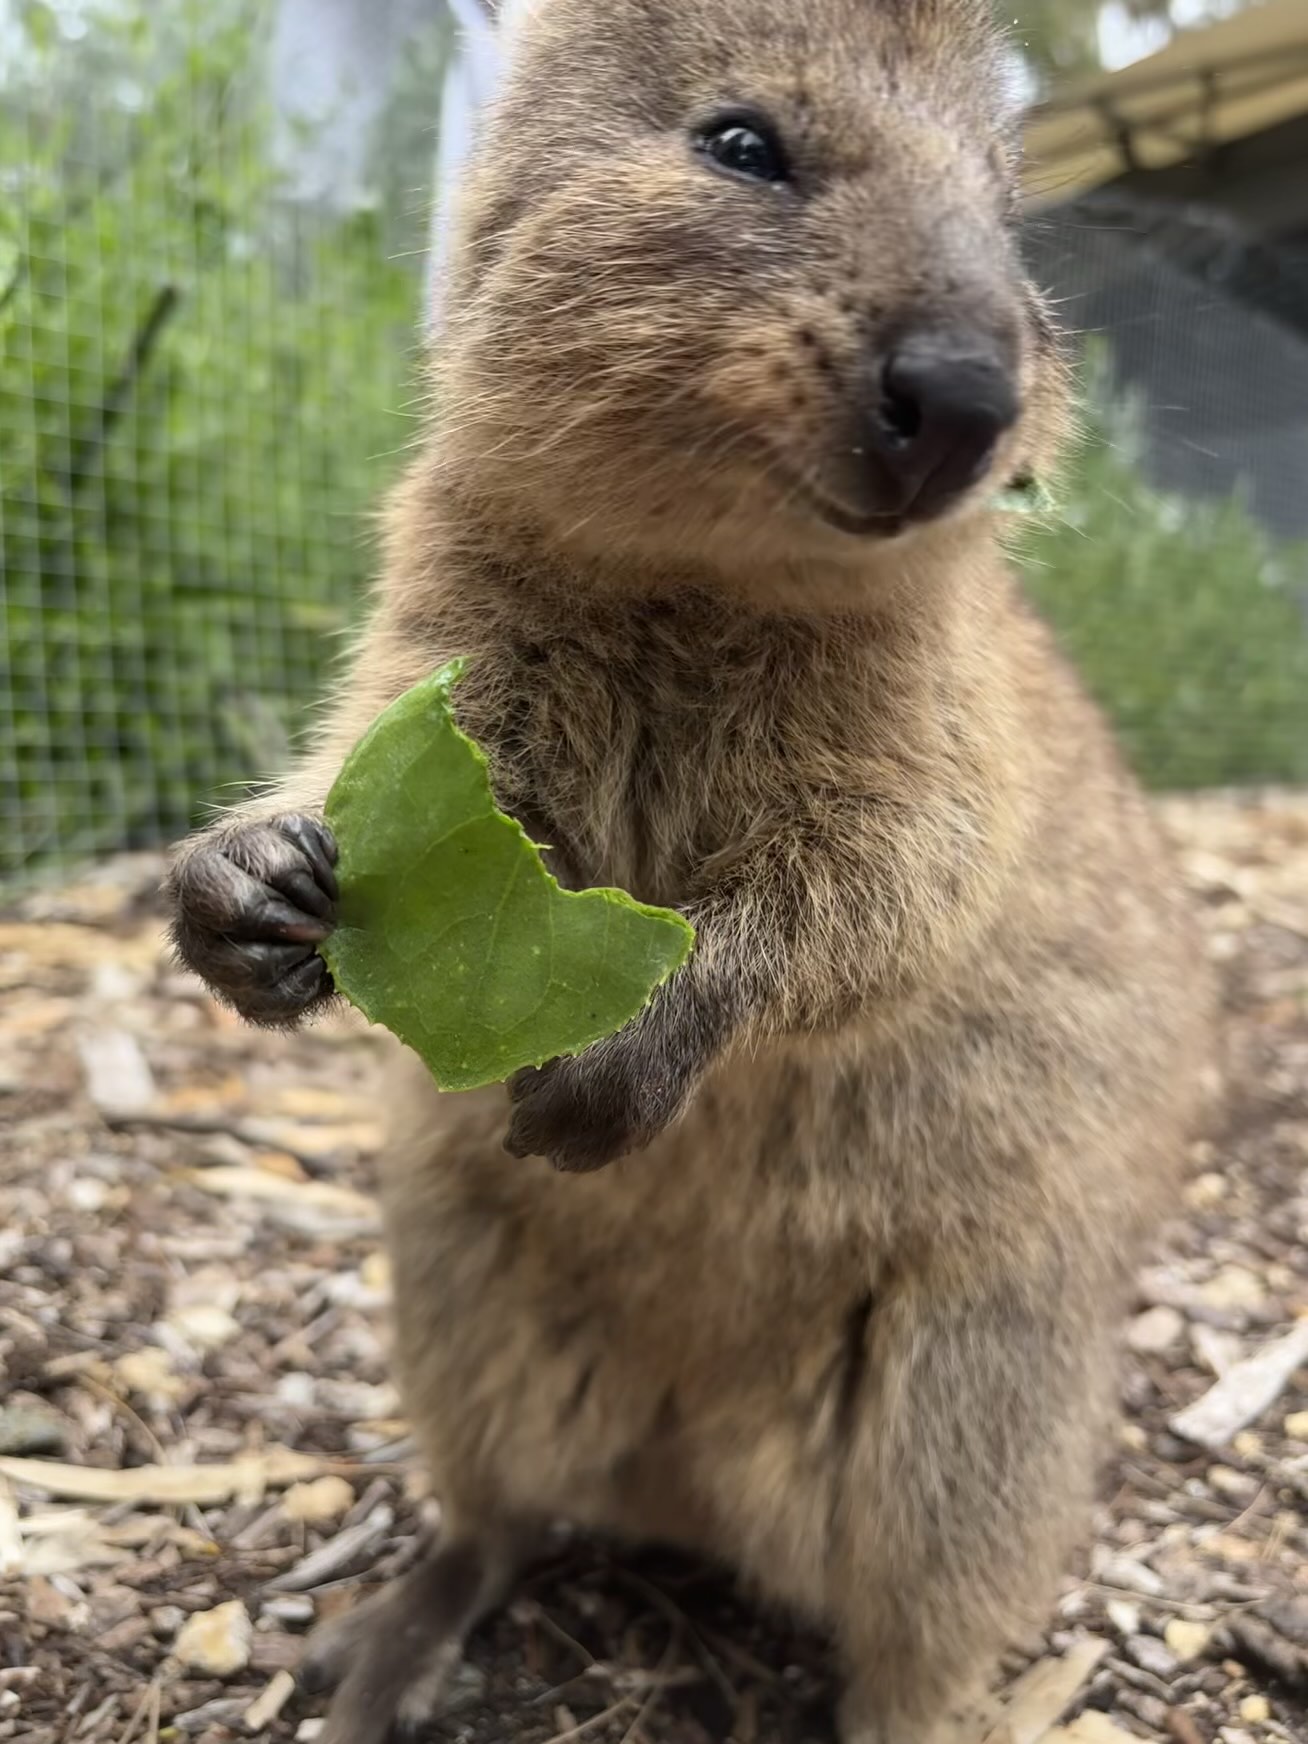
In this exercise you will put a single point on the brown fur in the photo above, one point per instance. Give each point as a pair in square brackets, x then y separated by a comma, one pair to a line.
[906, 1117]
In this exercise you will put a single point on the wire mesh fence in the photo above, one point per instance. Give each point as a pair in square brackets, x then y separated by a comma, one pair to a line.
[209, 306]
[1177, 570]
[202, 384]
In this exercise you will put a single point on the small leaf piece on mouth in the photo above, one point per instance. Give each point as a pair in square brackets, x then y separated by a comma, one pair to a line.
[451, 932]
[1023, 495]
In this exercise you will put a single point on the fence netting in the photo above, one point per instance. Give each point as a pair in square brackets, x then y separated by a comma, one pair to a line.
[210, 298]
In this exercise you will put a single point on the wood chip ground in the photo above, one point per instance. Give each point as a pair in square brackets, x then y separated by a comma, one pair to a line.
[201, 1453]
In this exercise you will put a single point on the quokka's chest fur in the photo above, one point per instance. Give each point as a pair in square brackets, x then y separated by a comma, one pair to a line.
[656, 745]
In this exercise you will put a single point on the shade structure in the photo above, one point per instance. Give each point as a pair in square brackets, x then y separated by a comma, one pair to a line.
[1207, 88]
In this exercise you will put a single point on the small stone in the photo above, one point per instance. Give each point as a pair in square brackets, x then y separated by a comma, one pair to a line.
[113, 983]
[291, 1610]
[217, 1642]
[1155, 1331]
[26, 1430]
[1188, 1641]
[166, 1620]
[1233, 1287]
[1248, 1444]
[1137, 1389]
[297, 1391]
[376, 1273]
[1153, 1656]
[1124, 1616]
[1132, 1436]
[1171, 1449]
[1296, 1426]
[1236, 1485]
[1205, 1191]
[309, 1730]
[1255, 1710]
[149, 1372]
[321, 1500]
[210, 1286]
[204, 1326]
[1128, 1574]
[87, 1195]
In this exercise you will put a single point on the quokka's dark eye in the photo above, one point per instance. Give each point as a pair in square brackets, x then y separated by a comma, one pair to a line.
[743, 146]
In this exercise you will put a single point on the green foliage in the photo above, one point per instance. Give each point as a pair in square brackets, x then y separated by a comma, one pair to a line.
[1060, 38]
[196, 413]
[198, 393]
[1186, 621]
[451, 932]
[1057, 37]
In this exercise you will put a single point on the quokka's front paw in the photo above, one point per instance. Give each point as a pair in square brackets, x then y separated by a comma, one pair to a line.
[584, 1112]
[251, 905]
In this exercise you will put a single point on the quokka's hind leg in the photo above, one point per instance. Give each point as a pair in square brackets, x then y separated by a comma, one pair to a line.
[389, 1661]
[966, 1474]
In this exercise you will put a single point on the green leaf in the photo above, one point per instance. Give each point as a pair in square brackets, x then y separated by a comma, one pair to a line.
[451, 932]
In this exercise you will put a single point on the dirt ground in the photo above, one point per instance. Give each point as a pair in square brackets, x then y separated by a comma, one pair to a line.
[201, 1455]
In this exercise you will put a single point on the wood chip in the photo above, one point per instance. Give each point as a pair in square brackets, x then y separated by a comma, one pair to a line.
[47, 1605]
[106, 1243]
[1244, 1392]
[163, 1485]
[1274, 1634]
[1091, 1728]
[226, 1712]
[262, 1712]
[1153, 1656]
[64, 945]
[1217, 1351]
[234, 1182]
[1181, 1729]
[346, 1553]
[1127, 1575]
[118, 1076]
[1042, 1695]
